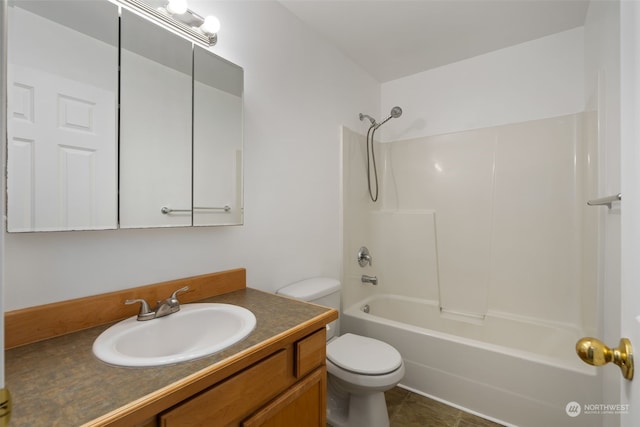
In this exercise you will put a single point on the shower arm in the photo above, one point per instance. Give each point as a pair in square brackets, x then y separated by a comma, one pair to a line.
[371, 119]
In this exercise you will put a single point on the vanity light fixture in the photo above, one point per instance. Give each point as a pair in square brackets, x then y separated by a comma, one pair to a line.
[177, 7]
[177, 17]
[211, 25]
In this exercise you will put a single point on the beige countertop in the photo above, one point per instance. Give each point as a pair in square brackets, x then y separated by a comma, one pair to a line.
[59, 382]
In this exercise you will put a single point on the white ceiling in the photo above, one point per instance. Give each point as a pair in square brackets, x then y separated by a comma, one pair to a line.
[396, 38]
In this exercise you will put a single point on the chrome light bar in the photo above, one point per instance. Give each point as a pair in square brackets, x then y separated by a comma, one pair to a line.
[173, 23]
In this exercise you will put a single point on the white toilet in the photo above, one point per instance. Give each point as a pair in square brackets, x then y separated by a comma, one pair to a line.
[360, 369]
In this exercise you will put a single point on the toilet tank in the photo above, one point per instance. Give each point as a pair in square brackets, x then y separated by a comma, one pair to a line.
[318, 290]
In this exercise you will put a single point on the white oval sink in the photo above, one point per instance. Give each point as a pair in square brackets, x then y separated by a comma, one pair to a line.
[197, 330]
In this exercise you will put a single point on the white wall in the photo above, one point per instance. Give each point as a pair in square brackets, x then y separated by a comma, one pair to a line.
[535, 80]
[298, 91]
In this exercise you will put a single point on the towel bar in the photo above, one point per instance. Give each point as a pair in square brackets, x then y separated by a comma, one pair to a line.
[605, 201]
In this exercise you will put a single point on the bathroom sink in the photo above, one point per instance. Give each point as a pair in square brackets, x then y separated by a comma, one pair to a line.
[197, 330]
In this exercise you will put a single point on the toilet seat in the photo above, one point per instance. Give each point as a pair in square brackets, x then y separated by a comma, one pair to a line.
[363, 355]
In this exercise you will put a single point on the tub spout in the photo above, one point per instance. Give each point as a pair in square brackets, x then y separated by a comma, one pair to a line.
[369, 279]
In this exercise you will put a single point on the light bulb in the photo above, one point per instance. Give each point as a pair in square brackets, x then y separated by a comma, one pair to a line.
[211, 25]
[177, 7]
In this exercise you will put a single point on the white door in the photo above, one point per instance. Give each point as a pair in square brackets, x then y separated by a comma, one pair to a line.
[630, 227]
[62, 148]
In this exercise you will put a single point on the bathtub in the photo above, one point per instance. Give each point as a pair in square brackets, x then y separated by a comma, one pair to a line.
[510, 369]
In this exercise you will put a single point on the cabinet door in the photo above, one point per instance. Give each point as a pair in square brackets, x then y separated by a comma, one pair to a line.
[155, 125]
[217, 140]
[62, 85]
[304, 405]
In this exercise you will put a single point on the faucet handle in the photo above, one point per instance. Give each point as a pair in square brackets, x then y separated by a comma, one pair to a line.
[364, 257]
[145, 312]
[171, 304]
[179, 291]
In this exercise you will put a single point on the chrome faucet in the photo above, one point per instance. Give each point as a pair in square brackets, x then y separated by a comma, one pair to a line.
[369, 279]
[163, 308]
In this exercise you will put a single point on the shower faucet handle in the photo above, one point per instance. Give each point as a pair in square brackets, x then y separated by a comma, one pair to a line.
[364, 257]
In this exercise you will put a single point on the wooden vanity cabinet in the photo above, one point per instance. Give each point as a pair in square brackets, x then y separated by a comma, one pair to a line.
[277, 377]
[286, 388]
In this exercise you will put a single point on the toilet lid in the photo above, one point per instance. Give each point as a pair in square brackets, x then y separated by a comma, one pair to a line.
[363, 355]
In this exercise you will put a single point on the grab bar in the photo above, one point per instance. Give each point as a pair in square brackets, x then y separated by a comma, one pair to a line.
[167, 210]
[605, 201]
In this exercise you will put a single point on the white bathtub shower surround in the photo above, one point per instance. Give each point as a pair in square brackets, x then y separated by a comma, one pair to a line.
[485, 220]
[514, 370]
[491, 226]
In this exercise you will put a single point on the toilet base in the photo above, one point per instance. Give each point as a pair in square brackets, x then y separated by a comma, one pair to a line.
[355, 410]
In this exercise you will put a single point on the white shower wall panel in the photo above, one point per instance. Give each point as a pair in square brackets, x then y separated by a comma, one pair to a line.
[536, 244]
[404, 243]
[513, 233]
[356, 220]
[453, 175]
[460, 190]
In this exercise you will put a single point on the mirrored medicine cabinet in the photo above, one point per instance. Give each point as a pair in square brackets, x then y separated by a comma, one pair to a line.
[156, 144]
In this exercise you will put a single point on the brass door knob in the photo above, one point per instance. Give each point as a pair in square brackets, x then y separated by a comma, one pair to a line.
[594, 352]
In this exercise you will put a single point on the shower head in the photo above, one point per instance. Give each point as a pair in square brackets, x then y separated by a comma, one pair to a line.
[395, 113]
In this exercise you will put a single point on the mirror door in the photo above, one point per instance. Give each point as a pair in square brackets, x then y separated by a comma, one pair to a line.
[217, 140]
[61, 119]
[155, 126]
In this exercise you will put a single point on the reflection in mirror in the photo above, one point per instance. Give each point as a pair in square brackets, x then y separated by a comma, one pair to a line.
[217, 140]
[62, 91]
[155, 125]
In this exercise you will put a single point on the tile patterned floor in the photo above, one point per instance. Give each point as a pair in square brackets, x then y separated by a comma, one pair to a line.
[407, 409]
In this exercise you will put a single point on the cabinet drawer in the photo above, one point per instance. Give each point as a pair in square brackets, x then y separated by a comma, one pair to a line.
[310, 353]
[241, 394]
